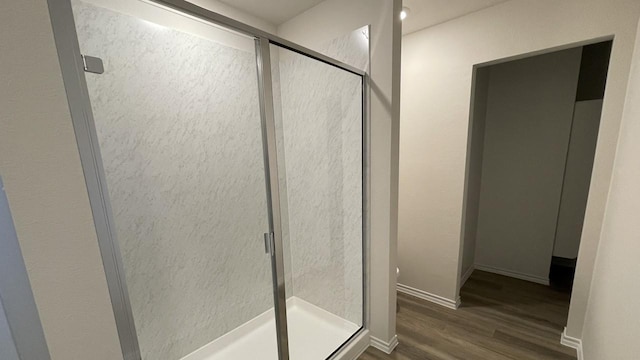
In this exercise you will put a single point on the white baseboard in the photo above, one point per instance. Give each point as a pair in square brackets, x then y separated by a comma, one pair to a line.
[386, 347]
[421, 294]
[466, 275]
[513, 274]
[572, 342]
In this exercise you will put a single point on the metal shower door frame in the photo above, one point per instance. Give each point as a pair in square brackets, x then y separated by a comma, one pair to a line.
[72, 68]
[267, 114]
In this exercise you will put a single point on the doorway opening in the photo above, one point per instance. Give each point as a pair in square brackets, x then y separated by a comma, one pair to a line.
[532, 139]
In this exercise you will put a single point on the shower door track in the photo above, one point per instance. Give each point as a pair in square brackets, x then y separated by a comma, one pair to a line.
[72, 68]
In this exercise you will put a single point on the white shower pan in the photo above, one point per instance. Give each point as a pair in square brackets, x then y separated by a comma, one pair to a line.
[314, 334]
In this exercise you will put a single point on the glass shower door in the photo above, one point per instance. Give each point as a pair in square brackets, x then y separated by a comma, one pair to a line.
[319, 132]
[177, 118]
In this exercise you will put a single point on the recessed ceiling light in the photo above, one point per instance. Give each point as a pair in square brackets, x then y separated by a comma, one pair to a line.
[405, 11]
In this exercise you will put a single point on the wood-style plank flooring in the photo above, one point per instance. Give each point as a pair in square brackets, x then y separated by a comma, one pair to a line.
[501, 318]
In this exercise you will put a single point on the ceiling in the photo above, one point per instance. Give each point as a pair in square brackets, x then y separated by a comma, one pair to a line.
[273, 11]
[425, 13]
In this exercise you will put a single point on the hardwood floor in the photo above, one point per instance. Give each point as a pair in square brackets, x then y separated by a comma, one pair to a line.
[501, 318]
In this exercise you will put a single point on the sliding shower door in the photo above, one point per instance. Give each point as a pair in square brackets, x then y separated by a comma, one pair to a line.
[178, 123]
[319, 131]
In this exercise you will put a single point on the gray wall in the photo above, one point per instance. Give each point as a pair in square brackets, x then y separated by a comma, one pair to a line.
[529, 110]
[21, 335]
[8, 349]
[575, 191]
[475, 152]
[46, 190]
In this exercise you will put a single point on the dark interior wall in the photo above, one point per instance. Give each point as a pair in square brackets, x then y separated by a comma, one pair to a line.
[530, 107]
[582, 148]
[593, 71]
[524, 173]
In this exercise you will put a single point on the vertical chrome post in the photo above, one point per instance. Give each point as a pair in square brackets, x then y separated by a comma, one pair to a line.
[366, 203]
[267, 114]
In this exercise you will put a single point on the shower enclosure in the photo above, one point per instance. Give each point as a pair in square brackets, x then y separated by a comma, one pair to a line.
[226, 171]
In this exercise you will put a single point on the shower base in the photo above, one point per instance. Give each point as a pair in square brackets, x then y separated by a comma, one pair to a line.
[314, 334]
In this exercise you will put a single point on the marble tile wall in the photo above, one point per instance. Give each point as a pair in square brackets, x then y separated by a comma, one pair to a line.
[179, 128]
[320, 135]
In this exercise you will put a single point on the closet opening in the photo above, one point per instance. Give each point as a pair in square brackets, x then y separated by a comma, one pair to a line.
[533, 133]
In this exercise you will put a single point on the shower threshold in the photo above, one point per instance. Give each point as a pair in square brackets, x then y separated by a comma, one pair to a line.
[314, 334]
